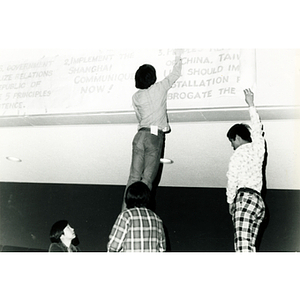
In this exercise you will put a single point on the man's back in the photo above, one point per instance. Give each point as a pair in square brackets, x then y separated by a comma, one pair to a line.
[137, 230]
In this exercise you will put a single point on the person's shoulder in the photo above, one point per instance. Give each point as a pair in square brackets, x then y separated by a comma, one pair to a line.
[151, 213]
[139, 95]
[131, 210]
[134, 212]
[56, 247]
[160, 84]
[74, 248]
[136, 93]
[127, 213]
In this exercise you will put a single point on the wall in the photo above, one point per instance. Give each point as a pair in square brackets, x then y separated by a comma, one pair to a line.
[101, 154]
[195, 219]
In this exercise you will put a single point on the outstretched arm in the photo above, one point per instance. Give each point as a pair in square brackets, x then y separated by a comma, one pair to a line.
[257, 131]
[176, 72]
[178, 53]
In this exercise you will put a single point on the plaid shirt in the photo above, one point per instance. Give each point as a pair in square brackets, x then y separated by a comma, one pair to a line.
[137, 230]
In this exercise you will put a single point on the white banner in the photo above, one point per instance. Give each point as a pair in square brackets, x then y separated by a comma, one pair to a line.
[93, 81]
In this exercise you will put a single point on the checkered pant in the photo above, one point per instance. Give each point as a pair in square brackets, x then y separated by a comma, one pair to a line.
[248, 213]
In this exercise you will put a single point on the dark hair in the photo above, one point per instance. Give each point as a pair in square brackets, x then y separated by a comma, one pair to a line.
[57, 230]
[242, 130]
[137, 195]
[145, 76]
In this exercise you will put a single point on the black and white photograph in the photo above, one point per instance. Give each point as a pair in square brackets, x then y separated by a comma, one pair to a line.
[155, 141]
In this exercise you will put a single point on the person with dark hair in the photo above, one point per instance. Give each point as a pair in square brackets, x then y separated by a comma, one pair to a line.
[150, 105]
[245, 179]
[61, 237]
[137, 229]
[145, 76]
[242, 130]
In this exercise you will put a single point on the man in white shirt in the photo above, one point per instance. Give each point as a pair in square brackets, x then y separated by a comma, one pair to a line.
[245, 179]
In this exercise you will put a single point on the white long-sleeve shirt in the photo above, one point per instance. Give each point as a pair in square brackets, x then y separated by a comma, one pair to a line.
[245, 165]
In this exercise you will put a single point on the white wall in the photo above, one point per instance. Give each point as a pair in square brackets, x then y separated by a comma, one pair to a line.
[101, 154]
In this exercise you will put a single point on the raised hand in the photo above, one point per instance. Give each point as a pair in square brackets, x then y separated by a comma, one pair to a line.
[178, 52]
[249, 97]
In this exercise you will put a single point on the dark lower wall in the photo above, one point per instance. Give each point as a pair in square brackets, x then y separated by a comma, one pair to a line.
[195, 219]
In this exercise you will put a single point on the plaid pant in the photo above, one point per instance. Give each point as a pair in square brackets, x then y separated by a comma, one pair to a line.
[248, 213]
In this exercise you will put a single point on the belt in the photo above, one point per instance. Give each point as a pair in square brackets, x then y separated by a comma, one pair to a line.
[148, 129]
[247, 190]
